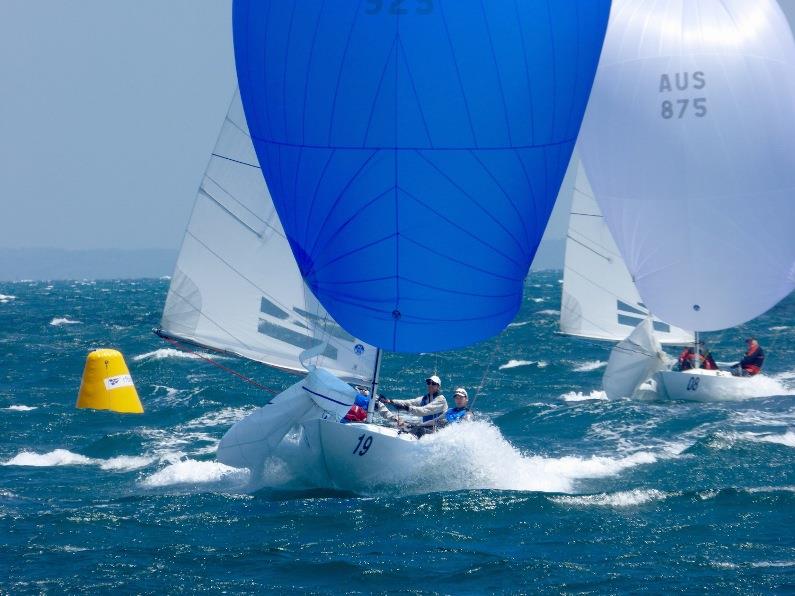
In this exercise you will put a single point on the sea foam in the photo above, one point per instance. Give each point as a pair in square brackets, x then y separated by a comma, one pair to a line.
[574, 396]
[57, 457]
[629, 498]
[60, 321]
[589, 365]
[475, 455]
[193, 472]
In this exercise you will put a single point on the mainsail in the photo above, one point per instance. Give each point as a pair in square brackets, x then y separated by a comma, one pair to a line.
[236, 286]
[688, 145]
[599, 300]
[414, 150]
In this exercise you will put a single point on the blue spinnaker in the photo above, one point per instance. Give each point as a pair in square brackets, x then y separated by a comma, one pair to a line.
[414, 149]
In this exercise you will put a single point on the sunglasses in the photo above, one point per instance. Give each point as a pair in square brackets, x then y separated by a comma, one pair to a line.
[430, 383]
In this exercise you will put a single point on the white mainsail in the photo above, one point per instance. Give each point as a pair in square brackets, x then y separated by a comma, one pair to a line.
[688, 145]
[599, 300]
[237, 288]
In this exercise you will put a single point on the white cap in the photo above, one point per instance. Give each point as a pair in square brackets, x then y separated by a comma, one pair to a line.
[434, 379]
[461, 391]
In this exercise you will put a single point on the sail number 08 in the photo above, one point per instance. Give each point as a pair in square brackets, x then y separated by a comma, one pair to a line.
[363, 446]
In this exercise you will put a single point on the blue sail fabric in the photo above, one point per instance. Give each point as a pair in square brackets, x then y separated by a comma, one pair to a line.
[414, 149]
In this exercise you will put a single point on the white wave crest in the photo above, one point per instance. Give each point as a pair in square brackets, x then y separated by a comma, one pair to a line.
[573, 396]
[629, 498]
[727, 440]
[519, 324]
[516, 364]
[589, 365]
[64, 457]
[548, 312]
[6, 298]
[537, 300]
[779, 328]
[787, 438]
[20, 408]
[126, 463]
[193, 472]
[59, 321]
[226, 417]
[164, 353]
[57, 457]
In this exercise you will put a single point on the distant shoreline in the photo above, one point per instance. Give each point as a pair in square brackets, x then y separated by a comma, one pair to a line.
[53, 264]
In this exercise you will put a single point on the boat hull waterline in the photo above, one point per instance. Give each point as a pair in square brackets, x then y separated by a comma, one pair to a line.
[706, 386]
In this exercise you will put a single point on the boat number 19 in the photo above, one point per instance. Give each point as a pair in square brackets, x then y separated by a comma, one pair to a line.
[363, 446]
[692, 384]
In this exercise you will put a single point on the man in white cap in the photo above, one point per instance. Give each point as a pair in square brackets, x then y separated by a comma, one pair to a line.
[430, 406]
[461, 410]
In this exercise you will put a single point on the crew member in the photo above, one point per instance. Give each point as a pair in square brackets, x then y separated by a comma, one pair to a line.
[430, 406]
[752, 362]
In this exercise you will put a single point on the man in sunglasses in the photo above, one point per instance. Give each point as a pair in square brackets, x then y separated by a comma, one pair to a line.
[429, 406]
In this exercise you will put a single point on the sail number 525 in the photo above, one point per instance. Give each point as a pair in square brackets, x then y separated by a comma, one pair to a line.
[363, 446]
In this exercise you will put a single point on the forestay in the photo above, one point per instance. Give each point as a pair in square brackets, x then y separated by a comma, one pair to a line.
[236, 286]
[414, 149]
[599, 300]
[688, 144]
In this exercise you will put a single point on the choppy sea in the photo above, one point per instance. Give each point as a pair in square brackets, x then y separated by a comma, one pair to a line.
[553, 489]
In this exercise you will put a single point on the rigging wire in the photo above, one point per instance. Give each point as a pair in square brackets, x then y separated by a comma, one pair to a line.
[244, 378]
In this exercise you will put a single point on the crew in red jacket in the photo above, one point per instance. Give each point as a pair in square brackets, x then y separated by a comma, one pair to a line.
[752, 362]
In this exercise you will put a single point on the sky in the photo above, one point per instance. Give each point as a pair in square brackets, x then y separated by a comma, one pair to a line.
[109, 112]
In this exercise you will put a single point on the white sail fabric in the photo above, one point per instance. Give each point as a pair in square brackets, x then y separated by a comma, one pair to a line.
[599, 299]
[237, 287]
[252, 440]
[633, 361]
[688, 144]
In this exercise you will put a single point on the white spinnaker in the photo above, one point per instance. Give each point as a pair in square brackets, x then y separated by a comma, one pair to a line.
[599, 299]
[237, 287]
[633, 361]
[688, 145]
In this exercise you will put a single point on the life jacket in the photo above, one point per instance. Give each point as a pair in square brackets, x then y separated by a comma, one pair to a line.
[752, 363]
[709, 362]
[426, 399]
[355, 414]
[687, 359]
[455, 414]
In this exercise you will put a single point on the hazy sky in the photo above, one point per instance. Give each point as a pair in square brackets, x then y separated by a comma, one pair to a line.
[109, 111]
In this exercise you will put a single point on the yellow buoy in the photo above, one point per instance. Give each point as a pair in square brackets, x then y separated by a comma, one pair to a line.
[107, 384]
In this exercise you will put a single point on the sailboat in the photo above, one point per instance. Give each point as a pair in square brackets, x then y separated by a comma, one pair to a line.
[688, 146]
[412, 156]
[598, 298]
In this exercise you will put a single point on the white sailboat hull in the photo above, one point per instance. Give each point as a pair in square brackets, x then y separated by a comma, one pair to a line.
[362, 457]
[298, 441]
[709, 386]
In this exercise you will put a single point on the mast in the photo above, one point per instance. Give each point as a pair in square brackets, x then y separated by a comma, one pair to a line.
[374, 385]
[696, 363]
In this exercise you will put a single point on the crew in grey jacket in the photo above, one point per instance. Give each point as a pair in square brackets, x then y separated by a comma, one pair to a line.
[429, 406]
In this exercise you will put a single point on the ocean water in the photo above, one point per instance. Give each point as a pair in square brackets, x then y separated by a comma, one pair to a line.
[554, 488]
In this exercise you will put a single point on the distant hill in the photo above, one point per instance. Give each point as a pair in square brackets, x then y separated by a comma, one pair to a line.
[50, 263]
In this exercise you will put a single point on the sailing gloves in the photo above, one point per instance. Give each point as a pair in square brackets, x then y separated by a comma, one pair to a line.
[400, 406]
